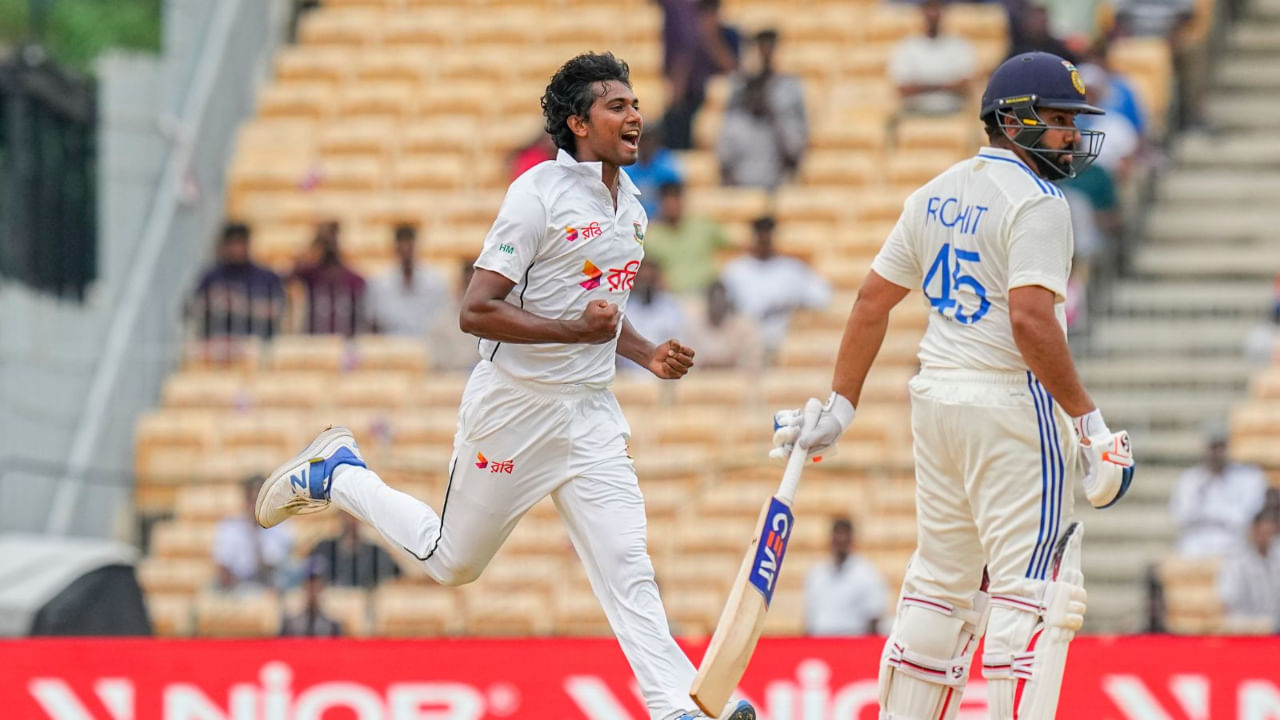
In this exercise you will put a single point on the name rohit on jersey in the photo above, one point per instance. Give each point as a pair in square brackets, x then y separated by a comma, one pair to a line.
[949, 212]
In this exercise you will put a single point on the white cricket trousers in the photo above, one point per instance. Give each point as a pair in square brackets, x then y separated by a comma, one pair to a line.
[996, 466]
[516, 443]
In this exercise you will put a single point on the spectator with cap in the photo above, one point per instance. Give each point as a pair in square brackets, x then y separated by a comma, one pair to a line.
[1249, 581]
[686, 245]
[768, 287]
[933, 71]
[237, 297]
[1214, 502]
[844, 595]
[406, 298]
[311, 621]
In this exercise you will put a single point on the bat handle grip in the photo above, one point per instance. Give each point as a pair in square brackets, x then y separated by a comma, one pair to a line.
[795, 463]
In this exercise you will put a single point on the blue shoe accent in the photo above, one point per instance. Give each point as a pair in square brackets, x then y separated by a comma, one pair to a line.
[744, 711]
[320, 472]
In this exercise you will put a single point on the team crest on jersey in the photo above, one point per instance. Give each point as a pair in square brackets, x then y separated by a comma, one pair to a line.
[639, 236]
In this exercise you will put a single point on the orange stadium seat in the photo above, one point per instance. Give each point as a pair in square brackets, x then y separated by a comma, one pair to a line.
[976, 21]
[577, 612]
[402, 610]
[403, 64]
[206, 503]
[362, 136]
[181, 539]
[344, 26]
[175, 575]
[238, 615]
[296, 99]
[171, 614]
[514, 612]
[324, 64]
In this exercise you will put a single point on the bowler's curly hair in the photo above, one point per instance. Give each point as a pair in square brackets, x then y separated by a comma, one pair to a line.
[572, 90]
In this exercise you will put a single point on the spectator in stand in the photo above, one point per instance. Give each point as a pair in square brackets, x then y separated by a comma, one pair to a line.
[655, 166]
[1036, 36]
[696, 46]
[350, 561]
[250, 557]
[1173, 20]
[1214, 502]
[933, 71]
[768, 287]
[541, 149]
[758, 145]
[846, 596]
[1249, 581]
[683, 244]
[311, 621]
[1119, 97]
[652, 311]
[405, 299]
[334, 292]
[724, 337]
[237, 297]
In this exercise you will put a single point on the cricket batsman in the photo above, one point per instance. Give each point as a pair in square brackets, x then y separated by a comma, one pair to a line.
[1002, 427]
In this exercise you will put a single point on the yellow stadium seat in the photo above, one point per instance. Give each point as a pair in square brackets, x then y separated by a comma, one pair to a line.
[692, 569]
[325, 64]
[351, 607]
[298, 99]
[395, 63]
[351, 173]
[372, 389]
[343, 26]
[284, 169]
[359, 136]
[693, 611]
[700, 167]
[290, 389]
[955, 135]
[382, 98]
[203, 389]
[391, 352]
[207, 503]
[786, 610]
[171, 614]
[838, 169]
[577, 612]
[237, 615]
[514, 612]
[402, 610]
[277, 134]
[976, 21]
[437, 133]
[425, 27]
[175, 575]
[178, 539]
[273, 430]
[536, 536]
[889, 23]
[440, 171]
[328, 353]
[471, 99]
[722, 387]
[730, 204]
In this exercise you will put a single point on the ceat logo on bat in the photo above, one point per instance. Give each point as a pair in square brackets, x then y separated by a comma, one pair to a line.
[771, 549]
[593, 276]
[482, 462]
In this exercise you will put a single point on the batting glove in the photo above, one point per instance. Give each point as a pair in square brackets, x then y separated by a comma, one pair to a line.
[820, 439]
[1109, 465]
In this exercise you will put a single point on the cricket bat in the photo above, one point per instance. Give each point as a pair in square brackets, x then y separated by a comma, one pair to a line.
[743, 617]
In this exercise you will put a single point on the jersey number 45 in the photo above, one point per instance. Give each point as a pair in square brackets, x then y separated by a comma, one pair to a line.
[944, 280]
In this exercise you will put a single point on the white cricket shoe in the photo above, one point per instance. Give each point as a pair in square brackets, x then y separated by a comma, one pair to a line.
[301, 485]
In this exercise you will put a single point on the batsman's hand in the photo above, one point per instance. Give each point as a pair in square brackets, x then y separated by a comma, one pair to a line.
[1108, 466]
[670, 360]
[818, 440]
[598, 323]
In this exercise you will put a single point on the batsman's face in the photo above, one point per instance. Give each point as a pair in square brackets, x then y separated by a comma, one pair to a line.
[1062, 134]
[614, 125]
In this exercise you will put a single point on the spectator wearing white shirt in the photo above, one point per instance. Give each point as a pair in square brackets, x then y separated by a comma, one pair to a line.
[1249, 582]
[768, 287]
[652, 311]
[932, 71]
[845, 596]
[406, 299]
[1214, 502]
[249, 556]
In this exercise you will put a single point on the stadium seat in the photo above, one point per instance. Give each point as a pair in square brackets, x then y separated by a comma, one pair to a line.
[182, 539]
[577, 612]
[175, 575]
[404, 610]
[344, 26]
[171, 614]
[237, 615]
[513, 612]
[296, 99]
[374, 136]
[324, 64]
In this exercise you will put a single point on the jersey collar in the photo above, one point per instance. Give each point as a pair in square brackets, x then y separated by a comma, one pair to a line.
[593, 170]
[1001, 154]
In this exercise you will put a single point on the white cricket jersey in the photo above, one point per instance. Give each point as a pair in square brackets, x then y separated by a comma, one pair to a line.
[981, 228]
[558, 237]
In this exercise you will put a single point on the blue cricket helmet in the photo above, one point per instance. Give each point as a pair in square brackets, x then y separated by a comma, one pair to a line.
[1041, 80]
[1049, 80]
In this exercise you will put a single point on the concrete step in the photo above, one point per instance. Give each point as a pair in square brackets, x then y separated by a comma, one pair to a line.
[1263, 11]
[1145, 337]
[1253, 73]
[1232, 150]
[1181, 446]
[1139, 410]
[1217, 187]
[1201, 225]
[1191, 298]
[1228, 374]
[1242, 110]
[1128, 521]
[1254, 38]
[1115, 608]
[1255, 261]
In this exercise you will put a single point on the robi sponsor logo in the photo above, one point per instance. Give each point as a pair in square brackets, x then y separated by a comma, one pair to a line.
[498, 466]
[593, 276]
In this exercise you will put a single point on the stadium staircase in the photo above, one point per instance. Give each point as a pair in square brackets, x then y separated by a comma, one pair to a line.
[391, 111]
[1169, 356]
